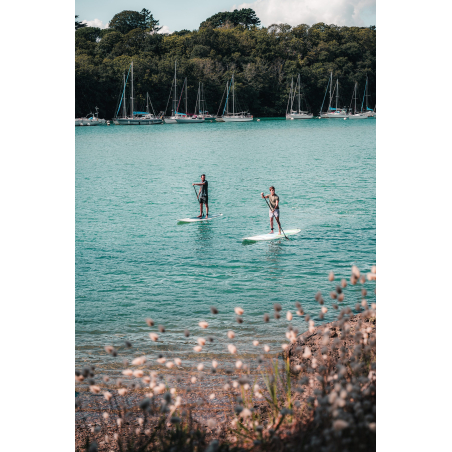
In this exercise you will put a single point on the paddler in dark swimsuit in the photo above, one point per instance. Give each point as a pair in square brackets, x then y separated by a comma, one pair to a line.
[203, 196]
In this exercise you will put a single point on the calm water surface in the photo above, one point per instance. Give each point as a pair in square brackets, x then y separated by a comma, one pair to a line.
[134, 261]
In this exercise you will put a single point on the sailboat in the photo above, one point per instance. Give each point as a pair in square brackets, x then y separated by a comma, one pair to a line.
[226, 91]
[203, 113]
[368, 111]
[174, 114]
[296, 114]
[242, 116]
[90, 121]
[139, 118]
[333, 112]
[356, 114]
[186, 119]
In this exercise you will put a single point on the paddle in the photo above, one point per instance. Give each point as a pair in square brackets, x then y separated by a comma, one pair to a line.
[196, 193]
[277, 219]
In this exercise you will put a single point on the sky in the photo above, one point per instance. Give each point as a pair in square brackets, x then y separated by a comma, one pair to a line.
[176, 15]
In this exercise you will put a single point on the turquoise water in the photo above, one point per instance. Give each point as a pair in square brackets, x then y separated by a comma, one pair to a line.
[134, 261]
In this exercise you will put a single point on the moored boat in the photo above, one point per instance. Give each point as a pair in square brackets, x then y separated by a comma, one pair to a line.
[94, 120]
[355, 114]
[299, 113]
[135, 118]
[188, 119]
[242, 116]
[333, 112]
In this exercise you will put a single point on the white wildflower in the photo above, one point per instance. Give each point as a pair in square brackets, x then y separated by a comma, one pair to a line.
[139, 361]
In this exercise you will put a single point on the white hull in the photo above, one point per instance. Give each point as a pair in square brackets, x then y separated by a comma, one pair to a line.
[170, 120]
[340, 115]
[237, 118]
[359, 116]
[189, 120]
[219, 119]
[299, 116]
[136, 121]
[88, 122]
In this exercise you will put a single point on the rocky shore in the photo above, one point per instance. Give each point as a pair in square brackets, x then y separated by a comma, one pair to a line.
[327, 353]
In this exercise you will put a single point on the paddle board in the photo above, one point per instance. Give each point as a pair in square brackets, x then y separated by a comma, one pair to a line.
[274, 236]
[203, 218]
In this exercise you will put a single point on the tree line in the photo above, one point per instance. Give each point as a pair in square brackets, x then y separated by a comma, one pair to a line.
[263, 60]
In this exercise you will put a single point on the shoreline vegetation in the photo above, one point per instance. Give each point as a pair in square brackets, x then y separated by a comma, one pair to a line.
[263, 60]
[318, 393]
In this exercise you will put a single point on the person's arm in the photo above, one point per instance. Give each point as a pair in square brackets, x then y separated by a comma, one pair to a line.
[276, 204]
[266, 196]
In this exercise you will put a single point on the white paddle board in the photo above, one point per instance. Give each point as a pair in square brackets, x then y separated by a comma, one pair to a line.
[274, 236]
[203, 218]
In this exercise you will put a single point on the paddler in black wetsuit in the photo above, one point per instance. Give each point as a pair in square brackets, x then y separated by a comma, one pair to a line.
[203, 196]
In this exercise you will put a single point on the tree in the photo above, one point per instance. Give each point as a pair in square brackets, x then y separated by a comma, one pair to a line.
[89, 33]
[263, 60]
[245, 17]
[79, 24]
[149, 23]
[126, 21]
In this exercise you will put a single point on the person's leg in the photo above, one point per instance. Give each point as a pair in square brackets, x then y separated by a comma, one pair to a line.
[271, 225]
[207, 209]
[279, 224]
[200, 210]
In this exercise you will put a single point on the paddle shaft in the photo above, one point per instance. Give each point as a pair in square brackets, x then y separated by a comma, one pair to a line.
[196, 193]
[277, 219]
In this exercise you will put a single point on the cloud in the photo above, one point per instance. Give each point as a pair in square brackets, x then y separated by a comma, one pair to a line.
[165, 29]
[95, 23]
[360, 13]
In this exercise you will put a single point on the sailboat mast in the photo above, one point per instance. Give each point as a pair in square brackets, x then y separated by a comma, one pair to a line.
[337, 91]
[186, 98]
[124, 114]
[367, 95]
[131, 94]
[292, 95]
[227, 98]
[356, 94]
[299, 91]
[233, 98]
[331, 83]
[175, 90]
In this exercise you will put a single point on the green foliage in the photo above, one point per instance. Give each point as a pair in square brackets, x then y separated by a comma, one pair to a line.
[78, 24]
[263, 60]
[245, 17]
[126, 21]
[88, 33]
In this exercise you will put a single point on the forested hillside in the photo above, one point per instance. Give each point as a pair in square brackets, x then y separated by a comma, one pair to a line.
[263, 60]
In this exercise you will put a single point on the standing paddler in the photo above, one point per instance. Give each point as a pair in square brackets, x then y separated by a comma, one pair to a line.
[203, 196]
[273, 200]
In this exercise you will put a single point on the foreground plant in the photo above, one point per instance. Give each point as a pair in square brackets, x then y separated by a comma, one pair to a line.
[320, 395]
